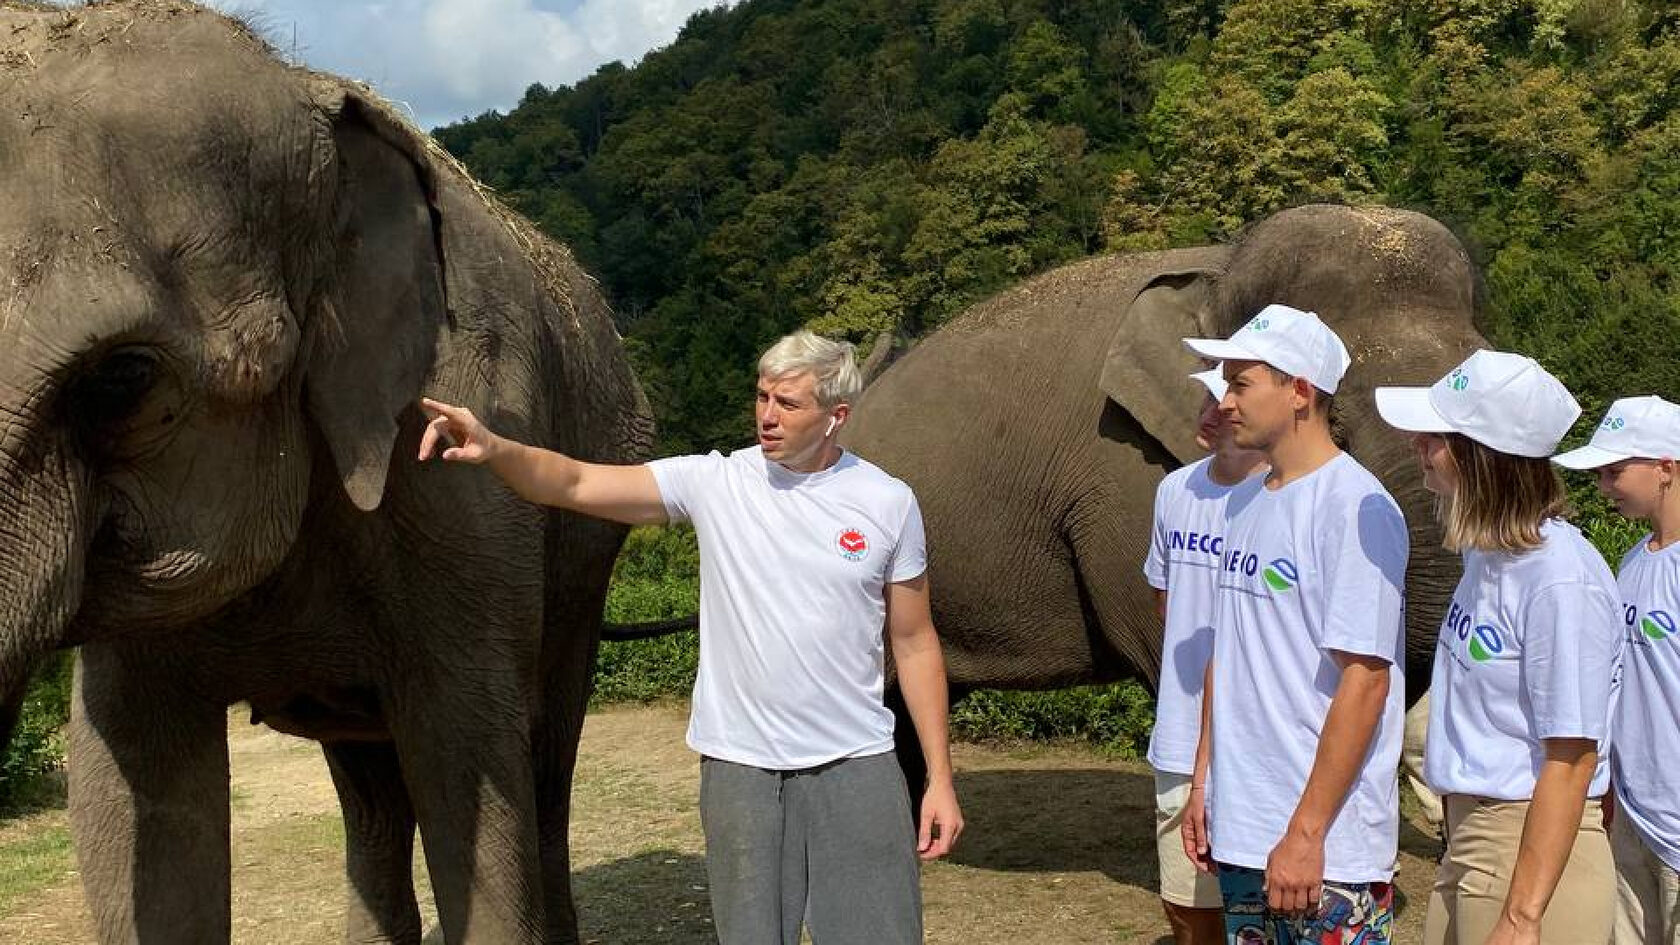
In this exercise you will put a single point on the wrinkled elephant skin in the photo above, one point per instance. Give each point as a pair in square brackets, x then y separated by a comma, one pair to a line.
[224, 285]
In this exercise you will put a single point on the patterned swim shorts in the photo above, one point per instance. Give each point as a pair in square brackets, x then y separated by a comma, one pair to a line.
[1348, 913]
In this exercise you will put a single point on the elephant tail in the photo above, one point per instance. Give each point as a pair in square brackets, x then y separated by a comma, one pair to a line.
[653, 628]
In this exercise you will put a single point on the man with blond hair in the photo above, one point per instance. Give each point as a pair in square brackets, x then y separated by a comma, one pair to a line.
[810, 558]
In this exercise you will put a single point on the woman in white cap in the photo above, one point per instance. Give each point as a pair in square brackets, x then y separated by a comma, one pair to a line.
[1634, 452]
[1524, 667]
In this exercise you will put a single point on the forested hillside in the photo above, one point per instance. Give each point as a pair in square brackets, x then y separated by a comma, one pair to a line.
[860, 165]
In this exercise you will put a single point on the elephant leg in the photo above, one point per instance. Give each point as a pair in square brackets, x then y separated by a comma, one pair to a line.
[909, 751]
[379, 843]
[466, 757]
[555, 745]
[149, 802]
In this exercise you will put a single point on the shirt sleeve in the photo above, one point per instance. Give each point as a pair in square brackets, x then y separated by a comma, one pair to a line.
[682, 483]
[910, 557]
[1155, 564]
[1362, 556]
[1569, 634]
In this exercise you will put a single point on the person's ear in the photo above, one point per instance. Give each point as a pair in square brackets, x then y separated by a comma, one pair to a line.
[1303, 392]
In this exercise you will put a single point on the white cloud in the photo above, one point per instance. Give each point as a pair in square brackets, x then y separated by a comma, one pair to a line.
[447, 59]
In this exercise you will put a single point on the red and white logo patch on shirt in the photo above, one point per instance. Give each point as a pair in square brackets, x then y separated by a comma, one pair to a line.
[853, 545]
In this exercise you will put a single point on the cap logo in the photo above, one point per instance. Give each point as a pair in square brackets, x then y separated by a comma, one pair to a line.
[1612, 423]
[1259, 324]
[1458, 379]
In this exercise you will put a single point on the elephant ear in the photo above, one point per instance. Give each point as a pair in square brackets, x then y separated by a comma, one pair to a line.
[384, 300]
[1146, 371]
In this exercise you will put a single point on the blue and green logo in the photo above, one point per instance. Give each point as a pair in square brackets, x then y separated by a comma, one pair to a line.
[1280, 575]
[1458, 379]
[1485, 643]
[1259, 324]
[1612, 423]
[1657, 625]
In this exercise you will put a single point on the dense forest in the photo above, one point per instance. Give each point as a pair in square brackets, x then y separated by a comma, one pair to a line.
[863, 165]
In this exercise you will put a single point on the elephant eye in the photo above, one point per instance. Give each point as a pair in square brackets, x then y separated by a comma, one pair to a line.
[110, 391]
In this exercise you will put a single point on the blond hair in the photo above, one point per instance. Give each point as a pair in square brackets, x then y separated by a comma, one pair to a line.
[830, 363]
[1501, 500]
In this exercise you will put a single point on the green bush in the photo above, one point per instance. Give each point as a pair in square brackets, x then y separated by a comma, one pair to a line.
[1115, 718]
[37, 746]
[657, 577]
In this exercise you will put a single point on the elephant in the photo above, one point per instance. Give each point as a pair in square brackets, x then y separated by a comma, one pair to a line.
[225, 283]
[1035, 426]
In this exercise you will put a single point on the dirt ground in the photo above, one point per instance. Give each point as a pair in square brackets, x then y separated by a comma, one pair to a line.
[1059, 848]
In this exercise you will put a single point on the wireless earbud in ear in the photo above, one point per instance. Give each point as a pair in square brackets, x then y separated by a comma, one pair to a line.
[832, 423]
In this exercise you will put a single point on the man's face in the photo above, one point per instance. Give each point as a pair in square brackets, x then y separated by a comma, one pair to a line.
[1213, 431]
[1259, 407]
[792, 427]
[1636, 486]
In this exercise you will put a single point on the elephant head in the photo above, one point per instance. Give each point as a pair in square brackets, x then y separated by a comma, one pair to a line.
[1396, 286]
[221, 283]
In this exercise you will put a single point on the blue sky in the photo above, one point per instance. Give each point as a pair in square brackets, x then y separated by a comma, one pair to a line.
[447, 59]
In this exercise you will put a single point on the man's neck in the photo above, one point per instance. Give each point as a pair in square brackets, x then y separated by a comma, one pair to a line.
[1231, 465]
[823, 459]
[1300, 453]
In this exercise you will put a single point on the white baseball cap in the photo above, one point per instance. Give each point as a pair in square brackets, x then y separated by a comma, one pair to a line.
[1213, 379]
[1646, 427]
[1501, 400]
[1288, 339]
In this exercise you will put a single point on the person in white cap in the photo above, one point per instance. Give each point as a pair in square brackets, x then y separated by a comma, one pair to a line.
[1634, 451]
[1525, 663]
[1183, 566]
[1302, 699]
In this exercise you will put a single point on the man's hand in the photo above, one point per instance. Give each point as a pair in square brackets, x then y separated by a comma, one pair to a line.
[1295, 875]
[941, 821]
[1194, 831]
[465, 439]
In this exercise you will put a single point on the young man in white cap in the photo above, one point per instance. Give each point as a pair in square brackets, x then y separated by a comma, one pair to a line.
[1302, 705]
[1634, 452]
[1525, 664]
[1183, 566]
[809, 556]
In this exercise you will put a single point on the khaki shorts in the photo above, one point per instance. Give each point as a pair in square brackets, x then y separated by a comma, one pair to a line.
[1181, 883]
[1647, 891]
[1475, 874]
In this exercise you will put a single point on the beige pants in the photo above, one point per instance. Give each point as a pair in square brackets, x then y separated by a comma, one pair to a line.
[1647, 891]
[1482, 840]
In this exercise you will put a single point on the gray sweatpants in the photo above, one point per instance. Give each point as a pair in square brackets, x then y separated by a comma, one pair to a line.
[830, 847]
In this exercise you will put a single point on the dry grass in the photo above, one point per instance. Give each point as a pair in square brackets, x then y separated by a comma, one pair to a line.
[1059, 847]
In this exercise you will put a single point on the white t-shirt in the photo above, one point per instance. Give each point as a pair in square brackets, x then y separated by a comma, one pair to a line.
[1184, 553]
[1646, 720]
[1314, 566]
[793, 575]
[1529, 649]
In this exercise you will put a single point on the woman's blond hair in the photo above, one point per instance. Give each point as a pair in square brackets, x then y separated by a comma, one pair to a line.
[1501, 500]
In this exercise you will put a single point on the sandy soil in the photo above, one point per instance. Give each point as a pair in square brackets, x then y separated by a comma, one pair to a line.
[1059, 847]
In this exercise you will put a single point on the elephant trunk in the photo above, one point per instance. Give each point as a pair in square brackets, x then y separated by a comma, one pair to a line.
[44, 518]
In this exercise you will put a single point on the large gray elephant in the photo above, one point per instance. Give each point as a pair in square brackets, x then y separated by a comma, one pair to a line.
[224, 284]
[1035, 427]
